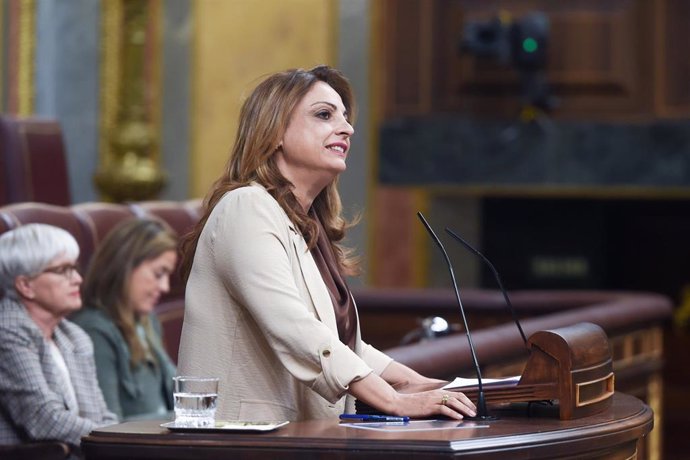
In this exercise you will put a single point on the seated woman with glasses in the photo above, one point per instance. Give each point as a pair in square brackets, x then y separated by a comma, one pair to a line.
[48, 386]
[127, 276]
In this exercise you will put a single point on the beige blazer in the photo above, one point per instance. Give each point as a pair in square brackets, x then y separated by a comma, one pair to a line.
[259, 316]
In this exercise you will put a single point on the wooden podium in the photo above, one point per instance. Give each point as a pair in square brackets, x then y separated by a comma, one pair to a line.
[570, 364]
[614, 434]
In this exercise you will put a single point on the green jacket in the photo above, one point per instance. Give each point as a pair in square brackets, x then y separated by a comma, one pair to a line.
[132, 393]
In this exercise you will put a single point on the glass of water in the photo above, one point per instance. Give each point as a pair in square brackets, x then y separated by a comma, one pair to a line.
[195, 401]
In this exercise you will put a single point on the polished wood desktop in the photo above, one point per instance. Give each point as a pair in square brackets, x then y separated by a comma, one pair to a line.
[520, 432]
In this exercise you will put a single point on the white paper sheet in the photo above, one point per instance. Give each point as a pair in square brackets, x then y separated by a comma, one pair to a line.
[461, 382]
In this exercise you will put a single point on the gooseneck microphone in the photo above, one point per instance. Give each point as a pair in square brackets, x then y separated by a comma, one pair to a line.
[482, 412]
[476, 252]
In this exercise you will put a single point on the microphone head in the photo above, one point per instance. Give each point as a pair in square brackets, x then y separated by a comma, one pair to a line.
[488, 263]
[436, 239]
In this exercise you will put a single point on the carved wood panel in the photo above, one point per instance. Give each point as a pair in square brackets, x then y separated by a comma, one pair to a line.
[607, 59]
[597, 59]
[405, 35]
[675, 62]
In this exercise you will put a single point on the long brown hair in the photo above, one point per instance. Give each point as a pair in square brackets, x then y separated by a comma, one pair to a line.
[106, 284]
[264, 118]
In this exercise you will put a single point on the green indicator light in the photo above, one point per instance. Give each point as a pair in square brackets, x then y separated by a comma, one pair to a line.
[529, 45]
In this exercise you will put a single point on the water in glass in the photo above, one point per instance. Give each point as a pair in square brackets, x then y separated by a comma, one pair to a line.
[195, 409]
[195, 401]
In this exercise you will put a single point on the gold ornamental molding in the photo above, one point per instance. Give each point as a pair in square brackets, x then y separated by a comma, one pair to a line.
[130, 101]
[22, 46]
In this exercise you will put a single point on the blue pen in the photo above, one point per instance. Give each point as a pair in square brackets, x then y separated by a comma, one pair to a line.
[373, 418]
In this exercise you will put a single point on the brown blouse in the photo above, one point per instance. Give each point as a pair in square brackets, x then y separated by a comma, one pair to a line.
[343, 306]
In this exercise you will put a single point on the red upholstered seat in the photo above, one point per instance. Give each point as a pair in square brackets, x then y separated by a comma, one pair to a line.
[18, 214]
[33, 165]
[180, 216]
[101, 217]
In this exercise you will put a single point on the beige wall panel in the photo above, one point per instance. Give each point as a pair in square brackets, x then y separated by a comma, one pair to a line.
[236, 43]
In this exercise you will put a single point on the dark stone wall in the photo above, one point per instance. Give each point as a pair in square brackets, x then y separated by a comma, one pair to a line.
[460, 151]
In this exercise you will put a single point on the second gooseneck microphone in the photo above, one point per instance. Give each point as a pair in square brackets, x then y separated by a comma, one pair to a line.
[482, 412]
[476, 252]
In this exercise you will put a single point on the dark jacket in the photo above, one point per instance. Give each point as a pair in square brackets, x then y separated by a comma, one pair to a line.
[132, 393]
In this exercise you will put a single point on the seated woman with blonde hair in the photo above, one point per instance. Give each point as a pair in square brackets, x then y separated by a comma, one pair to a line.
[127, 275]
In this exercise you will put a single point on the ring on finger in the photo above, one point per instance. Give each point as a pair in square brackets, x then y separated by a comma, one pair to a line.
[444, 400]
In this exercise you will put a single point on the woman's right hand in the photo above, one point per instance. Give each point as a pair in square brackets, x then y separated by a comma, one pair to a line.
[451, 404]
[377, 393]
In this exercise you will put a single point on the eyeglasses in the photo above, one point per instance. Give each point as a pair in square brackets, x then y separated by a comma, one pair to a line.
[66, 270]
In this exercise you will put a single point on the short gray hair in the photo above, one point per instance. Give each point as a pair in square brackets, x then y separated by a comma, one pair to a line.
[29, 249]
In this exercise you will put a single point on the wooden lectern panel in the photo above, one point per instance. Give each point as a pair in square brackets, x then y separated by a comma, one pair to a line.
[578, 360]
[571, 364]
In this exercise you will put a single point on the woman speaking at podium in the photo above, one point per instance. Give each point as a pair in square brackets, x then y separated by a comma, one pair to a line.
[267, 309]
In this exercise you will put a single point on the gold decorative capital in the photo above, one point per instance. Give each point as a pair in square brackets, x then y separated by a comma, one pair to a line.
[26, 57]
[129, 168]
